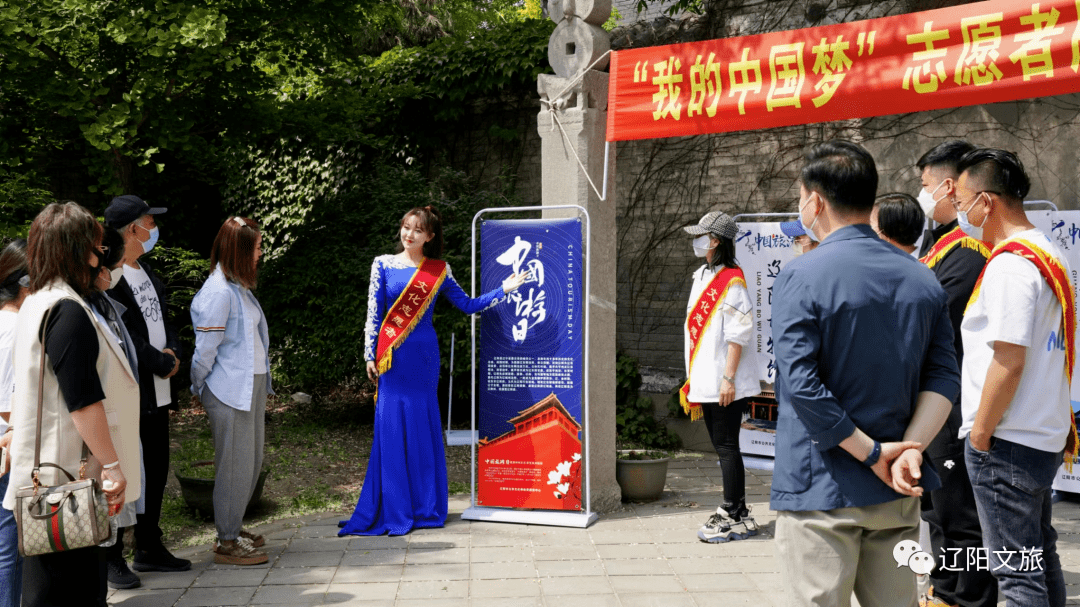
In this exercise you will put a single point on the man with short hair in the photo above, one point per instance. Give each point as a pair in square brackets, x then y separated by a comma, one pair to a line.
[956, 260]
[1018, 334]
[158, 349]
[866, 371]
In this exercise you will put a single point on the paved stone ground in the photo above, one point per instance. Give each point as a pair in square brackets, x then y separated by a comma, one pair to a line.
[644, 555]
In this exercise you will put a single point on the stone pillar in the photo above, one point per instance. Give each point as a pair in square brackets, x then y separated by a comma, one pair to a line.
[581, 110]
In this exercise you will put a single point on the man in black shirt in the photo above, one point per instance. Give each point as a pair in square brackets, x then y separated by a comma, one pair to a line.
[957, 260]
[158, 348]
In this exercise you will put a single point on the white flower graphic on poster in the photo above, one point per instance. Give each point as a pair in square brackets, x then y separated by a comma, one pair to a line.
[570, 489]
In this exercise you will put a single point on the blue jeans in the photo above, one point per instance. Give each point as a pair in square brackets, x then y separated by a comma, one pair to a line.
[1012, 493]
[10, 561]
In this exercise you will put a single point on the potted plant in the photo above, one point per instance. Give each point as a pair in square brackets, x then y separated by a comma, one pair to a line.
[197, 486]
[641, 466]
[641, 473]
[193, 466]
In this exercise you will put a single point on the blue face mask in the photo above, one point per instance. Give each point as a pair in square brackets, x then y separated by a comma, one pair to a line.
[808, 228]
[149, 244]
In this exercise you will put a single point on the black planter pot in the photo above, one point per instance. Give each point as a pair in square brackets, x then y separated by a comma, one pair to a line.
[199, 492]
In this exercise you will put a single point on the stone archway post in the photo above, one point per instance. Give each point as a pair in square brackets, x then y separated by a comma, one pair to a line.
[572, 125]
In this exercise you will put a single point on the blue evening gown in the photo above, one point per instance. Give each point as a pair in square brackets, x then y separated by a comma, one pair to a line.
[405, 485]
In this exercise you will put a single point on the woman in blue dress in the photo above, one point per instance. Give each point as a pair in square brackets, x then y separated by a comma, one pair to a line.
[405, 486]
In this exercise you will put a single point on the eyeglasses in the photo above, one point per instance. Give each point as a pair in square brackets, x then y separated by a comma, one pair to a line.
[956, 204]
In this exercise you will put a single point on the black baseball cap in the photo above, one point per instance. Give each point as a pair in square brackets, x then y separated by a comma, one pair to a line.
[126, 209]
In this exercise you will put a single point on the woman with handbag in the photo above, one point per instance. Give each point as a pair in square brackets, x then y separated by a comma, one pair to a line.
[75, 395]
[14, 287]
[230, 375]
[405, 486]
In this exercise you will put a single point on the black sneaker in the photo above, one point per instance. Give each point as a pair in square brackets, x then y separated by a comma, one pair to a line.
[120, 577]
[159, 560]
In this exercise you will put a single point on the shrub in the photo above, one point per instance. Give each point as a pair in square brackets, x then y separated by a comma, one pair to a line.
[635, 422]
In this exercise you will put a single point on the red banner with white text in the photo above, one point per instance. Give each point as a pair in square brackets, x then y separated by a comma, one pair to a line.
[1001, 50]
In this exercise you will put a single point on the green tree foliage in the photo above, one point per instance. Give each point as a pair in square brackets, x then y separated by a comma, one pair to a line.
[113, 84]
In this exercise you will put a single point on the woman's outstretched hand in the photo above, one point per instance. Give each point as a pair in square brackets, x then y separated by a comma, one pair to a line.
[515, 281]
[372, 371]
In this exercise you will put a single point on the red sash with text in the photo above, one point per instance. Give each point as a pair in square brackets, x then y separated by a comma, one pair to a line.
[1060, 284]
[403, 316]
[698, 320]
[948, 242]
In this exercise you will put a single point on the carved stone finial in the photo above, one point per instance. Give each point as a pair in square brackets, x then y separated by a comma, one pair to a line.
[578, 40]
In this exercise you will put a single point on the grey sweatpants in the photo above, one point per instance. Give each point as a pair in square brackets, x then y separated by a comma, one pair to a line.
[238, 455]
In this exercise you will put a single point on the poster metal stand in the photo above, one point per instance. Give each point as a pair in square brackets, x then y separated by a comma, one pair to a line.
[556, 518]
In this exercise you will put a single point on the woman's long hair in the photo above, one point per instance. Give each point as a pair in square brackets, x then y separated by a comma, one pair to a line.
[59, 245]
[12, 268]
[431, 222]
[723, 254]
[234, 251]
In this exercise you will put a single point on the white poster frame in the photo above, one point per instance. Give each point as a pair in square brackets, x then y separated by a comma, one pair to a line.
[554, 518]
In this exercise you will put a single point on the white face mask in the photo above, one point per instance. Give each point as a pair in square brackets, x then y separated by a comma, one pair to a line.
[973, 231]
[809, 229]
[701, 246]
[928, 202]
[115, 275]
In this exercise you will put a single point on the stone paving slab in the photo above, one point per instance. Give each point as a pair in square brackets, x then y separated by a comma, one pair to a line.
[643, 555]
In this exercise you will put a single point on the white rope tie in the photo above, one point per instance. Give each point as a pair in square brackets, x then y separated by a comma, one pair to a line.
[554, 106]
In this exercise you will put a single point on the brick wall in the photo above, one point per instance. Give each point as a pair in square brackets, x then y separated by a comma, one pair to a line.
[662, 185]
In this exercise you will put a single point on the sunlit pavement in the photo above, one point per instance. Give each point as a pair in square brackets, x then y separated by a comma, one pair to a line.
[644, 555]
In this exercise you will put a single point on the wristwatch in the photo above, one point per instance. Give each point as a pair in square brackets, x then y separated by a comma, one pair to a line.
[875, 454]
[730, 380]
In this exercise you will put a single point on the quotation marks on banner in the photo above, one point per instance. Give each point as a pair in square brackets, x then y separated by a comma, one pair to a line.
[909, 554]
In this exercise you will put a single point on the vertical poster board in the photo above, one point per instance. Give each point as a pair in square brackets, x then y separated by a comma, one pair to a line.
[1065, 232]
[530, 367]
[762, 251]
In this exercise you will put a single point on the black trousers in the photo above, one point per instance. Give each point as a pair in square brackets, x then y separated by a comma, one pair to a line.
[955, 532]
[65, 579]
[154, 433]
[723, 424]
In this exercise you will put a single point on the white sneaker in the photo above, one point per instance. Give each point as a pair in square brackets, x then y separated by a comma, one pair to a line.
[722, 527]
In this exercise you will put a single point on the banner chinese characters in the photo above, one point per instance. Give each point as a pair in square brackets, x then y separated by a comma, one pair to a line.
[986, 52]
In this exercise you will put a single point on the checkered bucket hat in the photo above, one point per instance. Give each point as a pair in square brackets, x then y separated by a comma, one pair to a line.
[716, 222]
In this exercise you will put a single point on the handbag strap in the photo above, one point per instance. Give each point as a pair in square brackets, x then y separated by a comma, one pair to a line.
[40, 409]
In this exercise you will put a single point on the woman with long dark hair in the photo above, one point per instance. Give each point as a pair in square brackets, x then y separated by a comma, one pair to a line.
[230, 374]
[405, 486]
[89, 395]
[720, 367]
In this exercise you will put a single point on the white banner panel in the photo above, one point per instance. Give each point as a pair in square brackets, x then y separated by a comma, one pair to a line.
[1065, 230]
[762, 251]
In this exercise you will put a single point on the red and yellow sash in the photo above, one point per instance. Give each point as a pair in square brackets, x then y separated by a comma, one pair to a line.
[699, 318]
[403, 316]
[1060, 284]
[948, 242]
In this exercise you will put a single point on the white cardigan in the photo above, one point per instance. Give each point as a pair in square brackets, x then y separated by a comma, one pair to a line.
[61, 443]
[732, 322]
